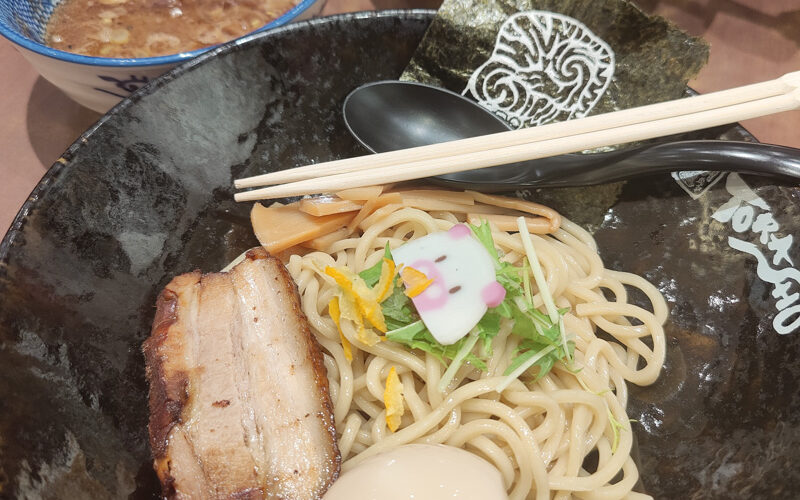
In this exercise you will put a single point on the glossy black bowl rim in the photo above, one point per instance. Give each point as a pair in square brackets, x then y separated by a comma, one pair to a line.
[42, 187]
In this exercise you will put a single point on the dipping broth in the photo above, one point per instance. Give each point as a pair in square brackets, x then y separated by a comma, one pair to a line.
[148, 28]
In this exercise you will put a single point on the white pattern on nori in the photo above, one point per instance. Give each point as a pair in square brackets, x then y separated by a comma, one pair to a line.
[545, 67]
[654, 59]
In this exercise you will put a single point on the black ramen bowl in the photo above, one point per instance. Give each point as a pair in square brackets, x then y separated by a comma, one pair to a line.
[146, 194]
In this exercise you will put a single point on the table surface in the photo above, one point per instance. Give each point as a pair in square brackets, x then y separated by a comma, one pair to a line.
[751, 40]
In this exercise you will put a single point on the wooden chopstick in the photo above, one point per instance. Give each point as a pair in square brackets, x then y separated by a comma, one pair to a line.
[668, 109]
[405, 167]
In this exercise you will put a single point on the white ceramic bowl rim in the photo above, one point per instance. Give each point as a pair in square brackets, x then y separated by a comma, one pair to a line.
[44, 50]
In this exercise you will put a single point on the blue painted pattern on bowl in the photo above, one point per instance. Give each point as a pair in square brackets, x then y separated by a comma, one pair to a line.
[99, 82]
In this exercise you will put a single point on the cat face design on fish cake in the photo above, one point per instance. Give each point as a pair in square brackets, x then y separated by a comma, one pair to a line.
[545, 67]
[464, 282]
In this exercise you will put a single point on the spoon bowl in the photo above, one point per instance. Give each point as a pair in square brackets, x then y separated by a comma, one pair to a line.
[390, 115]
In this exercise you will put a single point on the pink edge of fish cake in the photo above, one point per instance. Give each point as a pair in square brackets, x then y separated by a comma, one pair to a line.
[459, 231]
[435, 296]
[493, 294]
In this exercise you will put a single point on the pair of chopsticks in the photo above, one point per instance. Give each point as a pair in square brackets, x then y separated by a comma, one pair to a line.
[635, 124]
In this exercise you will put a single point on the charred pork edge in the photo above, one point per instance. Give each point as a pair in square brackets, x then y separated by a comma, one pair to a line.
[165, 412]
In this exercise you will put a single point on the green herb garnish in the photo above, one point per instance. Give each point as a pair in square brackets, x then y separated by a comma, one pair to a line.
[543, 341]
[373, 274]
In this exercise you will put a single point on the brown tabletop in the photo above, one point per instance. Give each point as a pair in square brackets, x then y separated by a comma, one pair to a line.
[751, 40]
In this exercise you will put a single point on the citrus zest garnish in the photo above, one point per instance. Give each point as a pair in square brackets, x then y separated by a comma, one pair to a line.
[384, 287]
[371, 310]
[393, 400]
[347, 307]
[342, 276]
[366, 335]
[353, 286]
[416, 282]
[333, 309]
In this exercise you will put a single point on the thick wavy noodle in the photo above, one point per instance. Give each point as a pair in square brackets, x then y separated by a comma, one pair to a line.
[538, 434]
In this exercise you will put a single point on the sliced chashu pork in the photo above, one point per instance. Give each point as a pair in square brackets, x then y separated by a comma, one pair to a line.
[239, 402]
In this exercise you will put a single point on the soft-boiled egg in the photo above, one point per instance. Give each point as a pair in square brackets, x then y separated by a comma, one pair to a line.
[420, 472]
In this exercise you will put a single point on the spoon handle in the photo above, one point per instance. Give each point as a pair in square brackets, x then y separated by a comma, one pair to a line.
[720, 156]
[591, 169]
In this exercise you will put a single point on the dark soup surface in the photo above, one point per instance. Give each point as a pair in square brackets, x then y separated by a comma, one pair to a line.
[147, 28]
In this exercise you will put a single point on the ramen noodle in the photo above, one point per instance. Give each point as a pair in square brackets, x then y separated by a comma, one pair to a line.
[560, 434]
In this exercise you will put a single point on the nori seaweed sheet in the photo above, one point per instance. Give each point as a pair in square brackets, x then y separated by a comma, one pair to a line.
[654, 58]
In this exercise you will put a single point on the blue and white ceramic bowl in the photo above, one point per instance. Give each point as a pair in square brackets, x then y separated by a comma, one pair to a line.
[99, 82]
